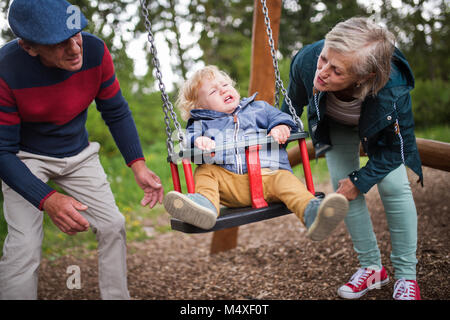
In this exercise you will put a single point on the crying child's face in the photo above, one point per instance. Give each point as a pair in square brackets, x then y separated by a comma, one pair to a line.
[218, 94]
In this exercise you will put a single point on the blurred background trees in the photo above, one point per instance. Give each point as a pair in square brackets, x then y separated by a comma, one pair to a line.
[220, 31]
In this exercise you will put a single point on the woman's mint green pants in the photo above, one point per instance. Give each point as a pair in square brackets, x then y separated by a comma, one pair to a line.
[398, 202]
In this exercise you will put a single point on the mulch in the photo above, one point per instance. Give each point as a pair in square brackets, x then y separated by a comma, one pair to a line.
[273, 259]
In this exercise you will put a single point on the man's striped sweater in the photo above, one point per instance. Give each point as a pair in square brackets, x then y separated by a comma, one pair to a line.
[44, 110]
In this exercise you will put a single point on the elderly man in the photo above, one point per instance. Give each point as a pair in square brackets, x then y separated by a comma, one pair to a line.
[48, 78]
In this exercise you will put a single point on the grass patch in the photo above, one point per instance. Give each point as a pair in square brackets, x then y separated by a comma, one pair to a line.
[439, 133]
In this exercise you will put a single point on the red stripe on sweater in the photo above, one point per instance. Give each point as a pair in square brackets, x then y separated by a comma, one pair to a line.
[9, 118]
[6, 95]
[41, 204]
[62, 102]
[107, 64]
[107, 73]
[110, 91]
[129, 164]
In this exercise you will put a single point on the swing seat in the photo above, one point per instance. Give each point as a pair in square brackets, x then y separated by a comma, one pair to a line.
[260, 209]
[234, 217]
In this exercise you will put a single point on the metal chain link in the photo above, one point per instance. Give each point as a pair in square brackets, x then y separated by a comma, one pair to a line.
[167, 105]
[278, 81]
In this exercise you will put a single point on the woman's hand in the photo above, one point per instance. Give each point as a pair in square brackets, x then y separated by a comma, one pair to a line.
[280, 133]
[347, 189]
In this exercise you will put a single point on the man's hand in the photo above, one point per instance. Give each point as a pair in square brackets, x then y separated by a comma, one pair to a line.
[149, 182]
[347, 189]
[280, 133]
[64, 212]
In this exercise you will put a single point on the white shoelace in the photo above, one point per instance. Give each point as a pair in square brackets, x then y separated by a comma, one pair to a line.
[404, 290]
[360, 276]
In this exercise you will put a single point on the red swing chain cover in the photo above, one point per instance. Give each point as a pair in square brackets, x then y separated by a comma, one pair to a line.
[254, 176]
[306, 165]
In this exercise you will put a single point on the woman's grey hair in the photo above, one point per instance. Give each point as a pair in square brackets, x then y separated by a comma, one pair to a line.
[372, 46]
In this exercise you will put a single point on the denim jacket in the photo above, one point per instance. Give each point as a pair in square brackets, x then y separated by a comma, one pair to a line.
[386, 124]
[250, 120]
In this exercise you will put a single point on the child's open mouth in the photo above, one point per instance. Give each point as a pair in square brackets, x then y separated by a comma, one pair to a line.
[228, 99]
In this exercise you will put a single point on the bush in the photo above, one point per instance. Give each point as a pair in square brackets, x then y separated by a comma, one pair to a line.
[148, 116]
[431, 103]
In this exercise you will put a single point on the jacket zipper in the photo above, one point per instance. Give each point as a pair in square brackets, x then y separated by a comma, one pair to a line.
[397, 125]
[397, 131]
[316, 94]
[235, 139]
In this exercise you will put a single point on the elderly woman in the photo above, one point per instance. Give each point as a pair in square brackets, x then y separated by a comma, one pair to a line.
[356, 85]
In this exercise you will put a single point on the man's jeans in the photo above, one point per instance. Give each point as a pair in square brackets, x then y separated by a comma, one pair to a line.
[82, 177]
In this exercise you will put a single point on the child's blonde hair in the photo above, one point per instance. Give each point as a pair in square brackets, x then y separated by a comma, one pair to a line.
[188, 94]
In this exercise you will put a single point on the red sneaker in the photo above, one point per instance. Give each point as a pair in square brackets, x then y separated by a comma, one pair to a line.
[363, 280]
[406, 290]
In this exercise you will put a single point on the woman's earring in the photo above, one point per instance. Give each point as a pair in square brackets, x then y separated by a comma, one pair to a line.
[357, 85]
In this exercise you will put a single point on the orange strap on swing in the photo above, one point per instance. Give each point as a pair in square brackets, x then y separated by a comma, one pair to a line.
[254, 176]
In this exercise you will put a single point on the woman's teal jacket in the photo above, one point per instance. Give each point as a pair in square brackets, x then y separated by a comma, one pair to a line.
[386, 124]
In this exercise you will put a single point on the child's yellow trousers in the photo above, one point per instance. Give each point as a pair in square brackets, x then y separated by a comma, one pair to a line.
[232, 190]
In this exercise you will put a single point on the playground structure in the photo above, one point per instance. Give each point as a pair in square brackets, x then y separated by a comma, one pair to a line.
[434, 154]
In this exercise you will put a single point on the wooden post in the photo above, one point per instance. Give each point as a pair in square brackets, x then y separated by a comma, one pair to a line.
[262, 80]
[224, 240]
[295, 157]
[262, 73]
[434, 154]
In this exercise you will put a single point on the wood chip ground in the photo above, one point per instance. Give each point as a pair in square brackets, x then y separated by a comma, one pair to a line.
[273, 260]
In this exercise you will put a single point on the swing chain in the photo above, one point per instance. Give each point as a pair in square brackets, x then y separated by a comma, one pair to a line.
[167, 105]
[278, 81]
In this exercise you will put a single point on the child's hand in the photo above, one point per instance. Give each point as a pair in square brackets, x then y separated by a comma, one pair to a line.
[204, 143]
[280, 133]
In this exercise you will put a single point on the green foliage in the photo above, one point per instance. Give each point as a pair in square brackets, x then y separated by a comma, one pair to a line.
[225, 37]
[168, 19]
[438, 133]
[431, 103]
[147, 113]
[308, 21]
[422, 30]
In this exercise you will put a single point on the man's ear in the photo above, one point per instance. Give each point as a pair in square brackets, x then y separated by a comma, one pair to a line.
[31, 50]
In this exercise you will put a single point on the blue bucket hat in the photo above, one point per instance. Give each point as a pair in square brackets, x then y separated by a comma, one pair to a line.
[45, 21]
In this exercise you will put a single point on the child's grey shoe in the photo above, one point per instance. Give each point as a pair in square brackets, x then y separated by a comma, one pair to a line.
[192, 208]
[322, 216]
